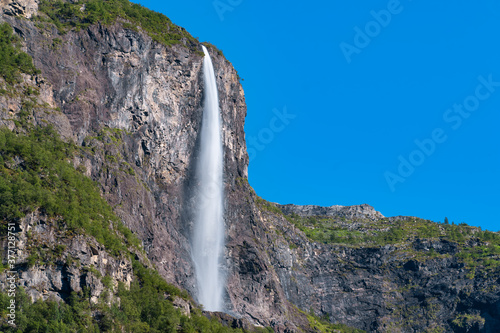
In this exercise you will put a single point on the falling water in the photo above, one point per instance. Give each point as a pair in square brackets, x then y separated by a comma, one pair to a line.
[208, 235]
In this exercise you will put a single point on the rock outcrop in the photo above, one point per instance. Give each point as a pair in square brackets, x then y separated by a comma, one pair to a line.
[76, 262]
[24, 8]
[349, 212]
[383, 289]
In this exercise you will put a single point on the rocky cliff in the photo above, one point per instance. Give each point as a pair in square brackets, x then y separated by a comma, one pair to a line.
[134, 104]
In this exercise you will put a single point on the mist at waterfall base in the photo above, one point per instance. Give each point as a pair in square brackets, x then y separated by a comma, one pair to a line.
[208, 234]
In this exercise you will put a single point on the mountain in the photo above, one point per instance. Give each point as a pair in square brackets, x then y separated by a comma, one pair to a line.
[101, 104]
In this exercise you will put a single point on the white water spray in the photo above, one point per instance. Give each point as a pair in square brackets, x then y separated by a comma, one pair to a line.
[208, 235]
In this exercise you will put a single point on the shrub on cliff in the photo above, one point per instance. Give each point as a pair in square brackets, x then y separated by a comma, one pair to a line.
[80, 15]
[12, 60]
[35, 173]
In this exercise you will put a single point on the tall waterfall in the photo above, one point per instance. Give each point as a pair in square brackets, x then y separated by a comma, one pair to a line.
[208, 235]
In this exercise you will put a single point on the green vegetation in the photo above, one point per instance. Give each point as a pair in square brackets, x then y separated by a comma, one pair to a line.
[13, 61]
[145, 307]
[423, 315]
[382, 232]
[323, 325]
[107, 135]
[266, 205]
[107, 281]
[44, 253]
[484, 257]
[112, 140]
[150, 278]
[376, 233]
[80, 15]
[211, 47]
[35, 172]
[468, 321]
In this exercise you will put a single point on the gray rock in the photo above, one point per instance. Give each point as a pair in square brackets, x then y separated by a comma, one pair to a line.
[363, 211]
[25, 8]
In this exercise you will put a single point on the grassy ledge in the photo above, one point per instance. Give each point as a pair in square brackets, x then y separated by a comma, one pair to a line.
[79, 15]
[13, 63]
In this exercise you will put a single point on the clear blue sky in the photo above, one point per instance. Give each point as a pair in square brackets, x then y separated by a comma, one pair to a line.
[408, 79]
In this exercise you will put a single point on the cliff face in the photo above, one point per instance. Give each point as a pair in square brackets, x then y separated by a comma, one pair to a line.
[416, 285]
[110, 77]
[135, 105]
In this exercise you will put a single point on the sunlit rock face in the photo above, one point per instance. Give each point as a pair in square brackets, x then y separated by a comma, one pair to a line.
[22, 8]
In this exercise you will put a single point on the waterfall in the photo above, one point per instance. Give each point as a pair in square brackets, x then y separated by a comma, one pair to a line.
[208, 233]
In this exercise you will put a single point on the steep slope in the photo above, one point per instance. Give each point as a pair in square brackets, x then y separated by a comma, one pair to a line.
[135, 105]
[399, 274]
[129, 95]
